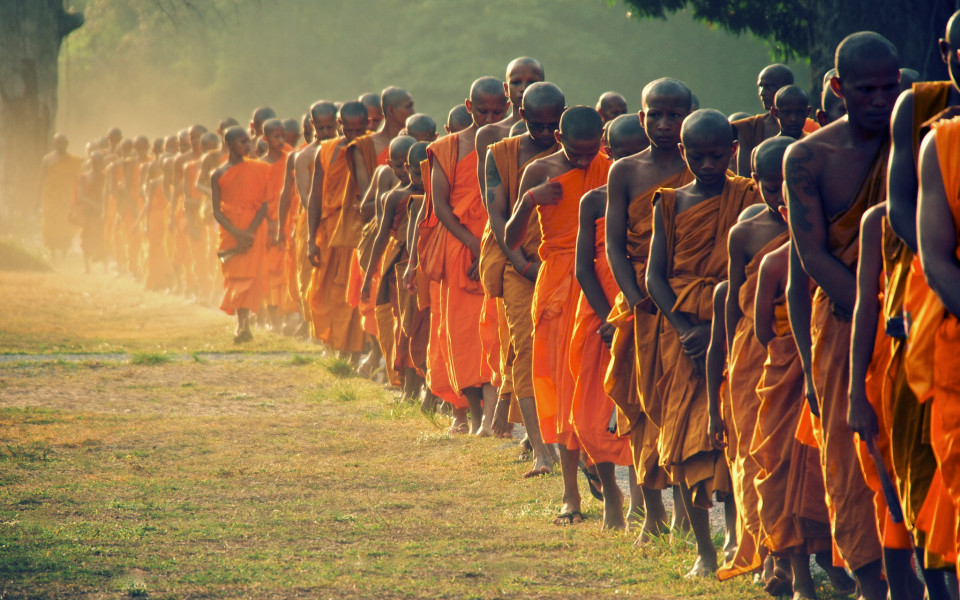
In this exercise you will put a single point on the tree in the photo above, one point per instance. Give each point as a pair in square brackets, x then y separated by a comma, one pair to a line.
[30, 36]
[813, 28]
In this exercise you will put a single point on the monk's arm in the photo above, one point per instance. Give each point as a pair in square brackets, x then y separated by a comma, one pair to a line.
[440, 188]
[902, 172]
[736, 275]
[498, 209]
[772, 272]
[935, 230]
[798, 308]
[715, 362]
[379, 242]
[482, 142]
[536, 189]
[618, 201]
[368, 206]
[808, 227]
[218, 210]
[658, 284]
[418, 212]
[360, 173]
[203, 177]
[591, 209]
[315, 209]
[285, 193]
[860, 415]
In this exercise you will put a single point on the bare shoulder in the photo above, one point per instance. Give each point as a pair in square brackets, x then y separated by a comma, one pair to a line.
[777, 261]
[594, 201]
[872, 218]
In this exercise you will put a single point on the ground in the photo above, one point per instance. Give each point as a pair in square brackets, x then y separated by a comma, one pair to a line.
[141, 455]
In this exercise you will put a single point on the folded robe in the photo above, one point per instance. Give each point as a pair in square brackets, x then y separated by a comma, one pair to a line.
[243, 190]
[696, 247]
[555, 299]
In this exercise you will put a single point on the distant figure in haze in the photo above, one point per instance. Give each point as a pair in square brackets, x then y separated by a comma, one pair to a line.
[753, 130]
[907, 78]
[258, 147]
[611, 105]
[90, 195]
[291, 132]
[58, 175]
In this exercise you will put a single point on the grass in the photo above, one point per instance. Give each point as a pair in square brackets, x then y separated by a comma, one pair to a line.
[280, 477]
[15, 255]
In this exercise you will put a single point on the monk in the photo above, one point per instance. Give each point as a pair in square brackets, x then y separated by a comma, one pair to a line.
[133, 177]
[91, 195]
[831, 105]
[832, 177]
[791, 107]
[306, 125]
[687, 258]
[748, 242]
[457, 203]
[196, 213]
[58, 175]
[593, 413]
[635, 364]
[458, 119]
[186, 194]
[553, 186]
[291, 132]
[610, 106]
[274, 134]
[159, 272]
[208, 163]
[753, 130]
[374, 110]
[240, 203]
[334, 321]
[176, 148]
[258, 147]
[542, 105]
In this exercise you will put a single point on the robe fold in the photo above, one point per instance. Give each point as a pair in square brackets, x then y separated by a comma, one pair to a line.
[696, 243]
[243, 190]
[555, 299]
[275, 274]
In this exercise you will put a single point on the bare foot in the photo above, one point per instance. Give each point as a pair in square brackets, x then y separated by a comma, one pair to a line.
[457, 428]
[779, 583]
[568, 516]
[484, 431]
[525, 450]
[702, 568]
[613, 512]
[652, 528]
[501, 427]
[536, 472]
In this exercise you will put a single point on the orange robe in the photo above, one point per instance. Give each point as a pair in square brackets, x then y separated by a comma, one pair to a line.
[135, 238]
[635, 362]
[275, 274]
[696, 243]
[290, 298]
[159, 272]
[462, 298]
[200, 268]
[853, 528]
[243, 190]
[793, 514]
[745, 368]
[589, 357]
[334, 321]
[555, 299]
[387, 299]
[55, 198]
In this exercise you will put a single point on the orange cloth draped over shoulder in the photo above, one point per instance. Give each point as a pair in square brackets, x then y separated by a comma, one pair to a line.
[334, 320]
[276, 282]
[500, 278]
[635, 360]
[55, 198]
[589, 357]
[746, 358]
[793, 514]
[290, 301]
[243, 190]
[696, 247]
[854, 529]
[462, 299]
[555, 299]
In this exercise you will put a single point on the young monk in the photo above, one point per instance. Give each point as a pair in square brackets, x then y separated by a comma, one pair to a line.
[374, 111]
[306, 125]
[832, 177]
[195, 214]
[542, 105]
[791, 107]
[635, 364]
[291, 132]
[240, 203]
[610, 106]
[91, 191]
[133, 178]
[748, 242]
[260, 116]
[687, 257]
[458, 207]
[274, 134]
[334, 320]
[593, 413]
[553, 186]
[159, 273]
[58, 175]
[458, 119]
[831, 105]
[753, 130]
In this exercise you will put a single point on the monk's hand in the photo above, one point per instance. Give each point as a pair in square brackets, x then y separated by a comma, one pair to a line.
[716, 430]
[473, 271]
[695, 341]
[860, 415]
[244, 239]
[531, 270]
[410, 279]
[546, 194]
[606, 332]
[365, 290]
[810, 393]
[313, 254]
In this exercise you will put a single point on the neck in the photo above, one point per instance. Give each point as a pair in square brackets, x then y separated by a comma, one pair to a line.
[236, 158]
[709, 191]
[665, 155]
[864, 135]
[391, 129]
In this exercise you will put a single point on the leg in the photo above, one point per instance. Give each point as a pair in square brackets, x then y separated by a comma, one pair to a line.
[489, 395]
[780, 581]
[901, 579]
[243, 326]
[869, 578]
[636, 500]
[706, 563]
[474, 397]
[372, 362]
[654, 516]
[428, 405]
[569, 467]
[681, 520]
[460, 424]
[838, 577]
[542, 457]
[502, 428]
[730, 524]
[612, 497]
[803, 587]
[935, 579]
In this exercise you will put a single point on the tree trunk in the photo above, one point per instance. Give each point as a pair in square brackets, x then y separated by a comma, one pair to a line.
[30, 35]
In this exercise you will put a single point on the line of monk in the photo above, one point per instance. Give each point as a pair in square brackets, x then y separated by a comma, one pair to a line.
[759, 311]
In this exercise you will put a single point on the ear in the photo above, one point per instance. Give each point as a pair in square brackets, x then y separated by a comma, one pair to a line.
[822, 117]
[558, 137]
[521, 112]
[944, 48]
[506, 88]
[774, 112]
[447, 129]
[734, 146]
[683, 151]
[835, 86]
[643, 119]
[468, 104]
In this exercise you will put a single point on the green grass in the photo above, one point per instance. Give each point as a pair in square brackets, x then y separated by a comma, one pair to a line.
[340, 367]
[149, 358]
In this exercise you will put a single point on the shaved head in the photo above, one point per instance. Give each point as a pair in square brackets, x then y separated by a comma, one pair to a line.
[858, 48]
[400, 146]
[611, 105]
[272, 124]
[417, 153]
[738, 115]
[626, 136]
[777, 74]
[791, 92]
[226, 124]
[352, 110]
[525, 61]
[421, 124]
[291, 126]
[370, 99]
[262, 114]
[486, 86]
[321, 109]
[393, 97]
[667, 86]
[707, 124]
[197, 130]
[458, 118]
[768, 157]
[209, 140]
[543, 95]
[581, 123]
[907, 78]
[234, 133]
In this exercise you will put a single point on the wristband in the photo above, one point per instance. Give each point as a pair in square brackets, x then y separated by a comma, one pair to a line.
[532, 198]
[526, 268]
